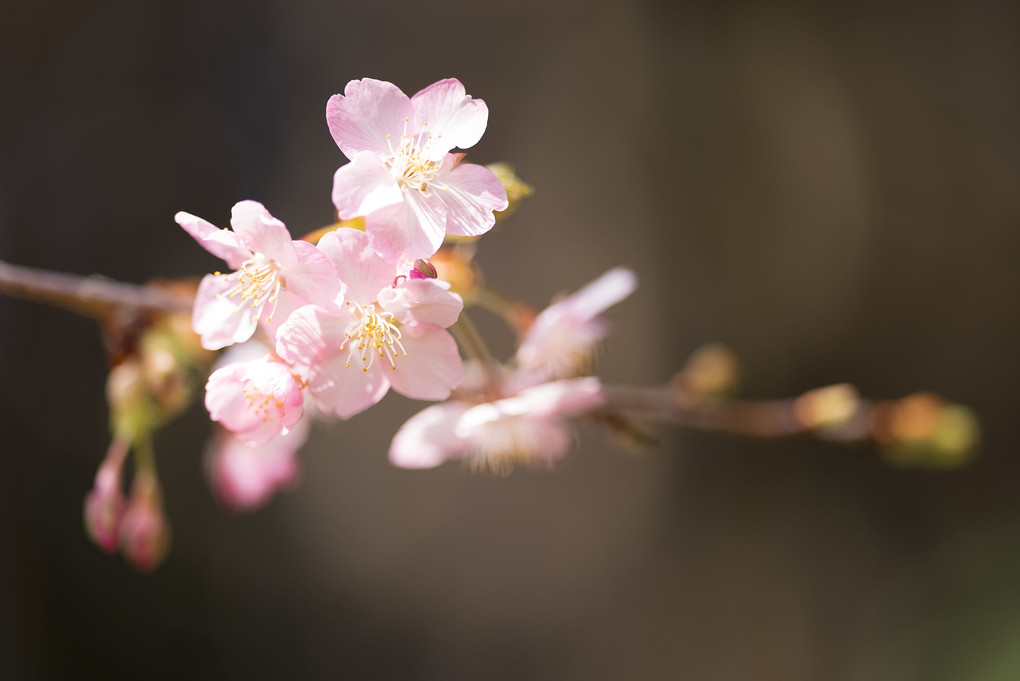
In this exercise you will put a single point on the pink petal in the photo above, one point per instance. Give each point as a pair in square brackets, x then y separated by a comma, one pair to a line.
[368, 111]
[470, 193]
[422, 301]
[415, 227]
[347, 390]
[364, 185]
[244, 477]
[285, 304]
[219, 319]
[362, 270]
[450, 112]
[262, 233]
[568, 397]
[603, 293]
[496, 441]
[313, 276]
[220, 242]
[432, 368]
[309, 334]
[428, 439]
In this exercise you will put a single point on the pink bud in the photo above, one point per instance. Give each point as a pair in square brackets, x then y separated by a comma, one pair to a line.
[144, 530]
[423, 269]
[104, 504]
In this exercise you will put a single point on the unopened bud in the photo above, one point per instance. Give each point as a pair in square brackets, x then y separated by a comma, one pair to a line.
[423, 269]
[924, 430]
[711, 371]
[826, 407]
[125, 386]
[144, 530]
[104, 504]
[516, 188]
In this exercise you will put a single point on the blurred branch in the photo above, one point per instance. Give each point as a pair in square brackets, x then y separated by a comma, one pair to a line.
[921, 429]
[92, 296]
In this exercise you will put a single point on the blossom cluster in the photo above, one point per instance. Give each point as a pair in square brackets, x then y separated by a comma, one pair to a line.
[327, 326]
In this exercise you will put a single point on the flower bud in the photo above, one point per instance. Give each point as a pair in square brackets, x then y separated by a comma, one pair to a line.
[104, 504]
[711, 371]
[144, 530]
[423, 269]
[827, 407]
[516, 188]
[924, 430]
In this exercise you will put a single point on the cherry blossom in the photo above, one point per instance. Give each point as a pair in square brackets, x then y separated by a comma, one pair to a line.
[402, 177]
[270, 271]
[527, 427]
[390, 331]
[560, 341]
[257, 400]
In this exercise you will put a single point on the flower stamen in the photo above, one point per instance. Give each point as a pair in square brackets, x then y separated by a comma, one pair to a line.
[373, 331]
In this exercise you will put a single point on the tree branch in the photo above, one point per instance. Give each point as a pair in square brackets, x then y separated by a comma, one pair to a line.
[92, 296]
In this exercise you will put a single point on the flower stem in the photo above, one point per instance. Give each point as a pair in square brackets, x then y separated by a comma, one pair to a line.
[518, 314]
[474, 347]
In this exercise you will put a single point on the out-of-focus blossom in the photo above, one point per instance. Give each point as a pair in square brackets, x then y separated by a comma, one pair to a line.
[104, 504]
[401, 177]
[269, 267]
[244, 477]
[144, 530]
[257, 400]
[562, 338]
[528, 428]
[390, 331]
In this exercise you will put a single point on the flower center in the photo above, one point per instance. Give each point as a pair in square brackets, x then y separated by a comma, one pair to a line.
[499, 446]
[261, 404]
[258, 280]
[373, 331]
[409, 160]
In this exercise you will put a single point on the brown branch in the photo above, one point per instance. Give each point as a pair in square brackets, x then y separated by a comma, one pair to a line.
[921, 429]
[92, 296]
[749, 418]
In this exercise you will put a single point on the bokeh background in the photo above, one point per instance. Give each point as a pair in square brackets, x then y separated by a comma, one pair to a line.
[831, 191]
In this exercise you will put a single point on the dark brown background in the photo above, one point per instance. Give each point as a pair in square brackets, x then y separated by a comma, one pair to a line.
[833, 192]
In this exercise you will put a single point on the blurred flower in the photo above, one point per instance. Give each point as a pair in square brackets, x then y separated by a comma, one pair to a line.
[144, 530]
[270, 267]
[528, 427]
[401, 177]
[244, 477]
[562, 338]
[396, 334]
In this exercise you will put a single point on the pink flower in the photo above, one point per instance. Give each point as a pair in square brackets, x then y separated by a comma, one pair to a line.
[528, 427]
[244, 477]
[401, 177]
[390, 331]
[562, 338]
[257, 400]
[269, 269]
